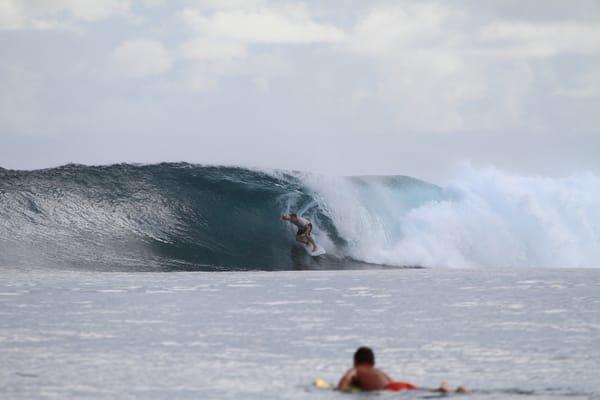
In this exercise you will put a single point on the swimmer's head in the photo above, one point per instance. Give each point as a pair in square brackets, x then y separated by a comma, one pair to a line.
[364, 356]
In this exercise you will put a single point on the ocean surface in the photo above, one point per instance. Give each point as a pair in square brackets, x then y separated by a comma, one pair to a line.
[530, 334]
[180, 281]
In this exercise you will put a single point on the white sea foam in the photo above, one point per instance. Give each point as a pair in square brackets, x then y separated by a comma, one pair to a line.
[483, 218]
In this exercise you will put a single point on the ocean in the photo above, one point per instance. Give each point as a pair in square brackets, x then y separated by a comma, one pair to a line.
[180, 281]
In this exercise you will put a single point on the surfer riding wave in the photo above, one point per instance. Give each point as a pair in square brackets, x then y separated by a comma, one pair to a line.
[304, 229]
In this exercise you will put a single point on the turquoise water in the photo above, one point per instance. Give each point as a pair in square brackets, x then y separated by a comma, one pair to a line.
[173, 217]
[531, 333]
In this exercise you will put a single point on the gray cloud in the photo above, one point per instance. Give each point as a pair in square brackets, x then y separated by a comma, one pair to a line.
[378, 87]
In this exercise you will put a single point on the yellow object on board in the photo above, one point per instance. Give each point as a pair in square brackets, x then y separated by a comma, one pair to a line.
[322, 384]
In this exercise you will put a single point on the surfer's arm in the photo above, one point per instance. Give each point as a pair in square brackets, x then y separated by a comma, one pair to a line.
[346, 382]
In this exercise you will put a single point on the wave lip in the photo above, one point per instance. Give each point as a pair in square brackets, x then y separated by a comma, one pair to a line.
[178, 216]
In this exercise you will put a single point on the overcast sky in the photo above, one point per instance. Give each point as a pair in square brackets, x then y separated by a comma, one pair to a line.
[339, 87]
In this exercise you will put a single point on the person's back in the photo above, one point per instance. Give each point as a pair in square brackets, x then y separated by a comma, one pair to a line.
[370, 378]
[365, 376]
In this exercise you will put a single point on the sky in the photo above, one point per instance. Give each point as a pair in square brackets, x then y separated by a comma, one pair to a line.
[339, 87]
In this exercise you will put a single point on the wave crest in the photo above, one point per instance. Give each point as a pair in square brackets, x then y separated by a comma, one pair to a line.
[182, 216]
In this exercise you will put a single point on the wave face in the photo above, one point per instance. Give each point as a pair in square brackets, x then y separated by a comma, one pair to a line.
[188, 217]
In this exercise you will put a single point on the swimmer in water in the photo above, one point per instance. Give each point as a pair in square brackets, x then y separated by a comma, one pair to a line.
[366, 377]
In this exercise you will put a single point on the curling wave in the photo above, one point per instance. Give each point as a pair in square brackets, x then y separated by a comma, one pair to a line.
[189, 217]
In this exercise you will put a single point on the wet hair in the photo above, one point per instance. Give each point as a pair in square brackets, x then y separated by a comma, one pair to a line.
[364, 355]
[293, 215]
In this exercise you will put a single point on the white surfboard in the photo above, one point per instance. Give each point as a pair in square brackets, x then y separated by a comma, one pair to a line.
[318, 252]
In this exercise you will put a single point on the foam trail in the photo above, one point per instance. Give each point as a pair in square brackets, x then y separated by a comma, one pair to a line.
[484, 218]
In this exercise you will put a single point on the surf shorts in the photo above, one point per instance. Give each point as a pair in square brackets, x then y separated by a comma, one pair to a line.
[302, 231]
[398, 386]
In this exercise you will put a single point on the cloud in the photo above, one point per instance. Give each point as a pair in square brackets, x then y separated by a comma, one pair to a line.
[267, 26]
[428, 79]
[11, 16]
[583, 85]
[386, 29]
[210, 49]
[214, 5]
[234, 38]
[424, 69]
[442, 70]
[200, 78]
[56, 14]
[141, 58]
[93, 10]
[258, 69]
[520, 39]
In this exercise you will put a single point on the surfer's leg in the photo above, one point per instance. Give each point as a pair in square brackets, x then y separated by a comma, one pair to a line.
[301, 239]
[312, 243]
[301, 235]
[309, 238]
[445, 388]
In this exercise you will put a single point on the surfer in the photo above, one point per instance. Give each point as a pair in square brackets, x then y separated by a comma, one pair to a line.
[365, 376]
[304, 229]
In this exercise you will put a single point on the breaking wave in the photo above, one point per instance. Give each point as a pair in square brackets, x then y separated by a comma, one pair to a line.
[188, 217]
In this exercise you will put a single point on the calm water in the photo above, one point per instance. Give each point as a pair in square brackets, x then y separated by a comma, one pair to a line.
[266, 335]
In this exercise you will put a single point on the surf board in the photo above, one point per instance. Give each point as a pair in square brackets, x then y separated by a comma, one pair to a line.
[321, 383]
[318, 252]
